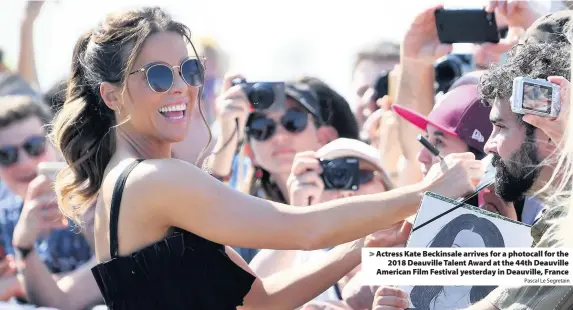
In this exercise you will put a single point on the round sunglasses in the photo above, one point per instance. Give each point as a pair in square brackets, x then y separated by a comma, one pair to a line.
[160, 77]
[33, 146]
[261, 128]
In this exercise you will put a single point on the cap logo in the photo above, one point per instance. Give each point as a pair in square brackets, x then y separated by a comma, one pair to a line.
[478, 136]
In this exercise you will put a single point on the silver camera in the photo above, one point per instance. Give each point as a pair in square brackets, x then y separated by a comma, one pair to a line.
[535, 96]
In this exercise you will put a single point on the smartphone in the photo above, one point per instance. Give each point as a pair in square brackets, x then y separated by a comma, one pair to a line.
[466, 26]
[50, 169]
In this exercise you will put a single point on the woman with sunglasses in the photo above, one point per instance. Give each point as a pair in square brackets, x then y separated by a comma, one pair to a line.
[275, 135]
[306, 187]
[161, 223]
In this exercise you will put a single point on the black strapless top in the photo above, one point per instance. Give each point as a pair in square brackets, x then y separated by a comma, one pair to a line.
[182, 271]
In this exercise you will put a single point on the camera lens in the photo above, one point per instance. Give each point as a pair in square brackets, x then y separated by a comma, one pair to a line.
[262, 96]
[338, 174]
[447, 71]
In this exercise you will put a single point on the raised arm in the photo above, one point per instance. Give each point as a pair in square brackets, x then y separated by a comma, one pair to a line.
[179, 194]
[420, 49]
[27, 60]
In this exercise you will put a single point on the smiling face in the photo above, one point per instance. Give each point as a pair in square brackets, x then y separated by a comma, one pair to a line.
[159, 116]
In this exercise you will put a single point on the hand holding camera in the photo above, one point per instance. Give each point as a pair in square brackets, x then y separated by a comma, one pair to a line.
[553, 124]
[311, 176]
[305, 186]
[233, 109]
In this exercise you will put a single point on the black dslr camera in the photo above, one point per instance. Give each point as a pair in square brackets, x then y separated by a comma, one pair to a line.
[341, 174]
[262, 95]
[450, 68]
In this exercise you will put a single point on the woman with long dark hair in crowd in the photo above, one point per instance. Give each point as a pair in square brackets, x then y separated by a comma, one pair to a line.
[131, 88]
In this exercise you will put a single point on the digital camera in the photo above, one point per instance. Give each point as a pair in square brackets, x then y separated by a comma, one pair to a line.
[450, 68]
[341, 174]
[262, 95]
[535, 96]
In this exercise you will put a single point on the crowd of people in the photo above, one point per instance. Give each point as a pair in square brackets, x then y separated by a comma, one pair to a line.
[179, 192]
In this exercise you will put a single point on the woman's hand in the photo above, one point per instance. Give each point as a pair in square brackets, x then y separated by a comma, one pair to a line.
[232, 106]
[390, 298]
[305, 186]
[40, 213]
[455, 176]
[554, 128]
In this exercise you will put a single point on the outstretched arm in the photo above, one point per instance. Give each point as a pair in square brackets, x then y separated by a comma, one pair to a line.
[175, 193]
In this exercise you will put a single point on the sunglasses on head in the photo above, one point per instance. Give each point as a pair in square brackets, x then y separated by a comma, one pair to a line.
[261, 128]
[33, 146]
[160, 77]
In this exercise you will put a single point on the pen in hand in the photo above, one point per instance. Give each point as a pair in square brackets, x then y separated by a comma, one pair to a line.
[432, 149]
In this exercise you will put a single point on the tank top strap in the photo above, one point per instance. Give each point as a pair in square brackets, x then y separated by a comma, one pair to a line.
[115, 203]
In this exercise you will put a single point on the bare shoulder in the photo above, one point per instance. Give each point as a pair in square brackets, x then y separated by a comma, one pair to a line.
[156, 176]
[162, 182]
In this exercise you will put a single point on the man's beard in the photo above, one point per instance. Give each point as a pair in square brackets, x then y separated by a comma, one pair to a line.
[516, 176]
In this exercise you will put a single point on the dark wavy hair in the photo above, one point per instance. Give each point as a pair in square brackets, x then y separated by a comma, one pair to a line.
[83, 130]
[423, 296]
[537, 61]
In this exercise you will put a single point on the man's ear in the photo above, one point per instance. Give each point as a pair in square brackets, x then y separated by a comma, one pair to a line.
[110, 95]
[326, 134]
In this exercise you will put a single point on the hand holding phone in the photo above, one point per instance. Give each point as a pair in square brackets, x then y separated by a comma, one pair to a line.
[466, 26]
[50, 169]
[421, 45]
